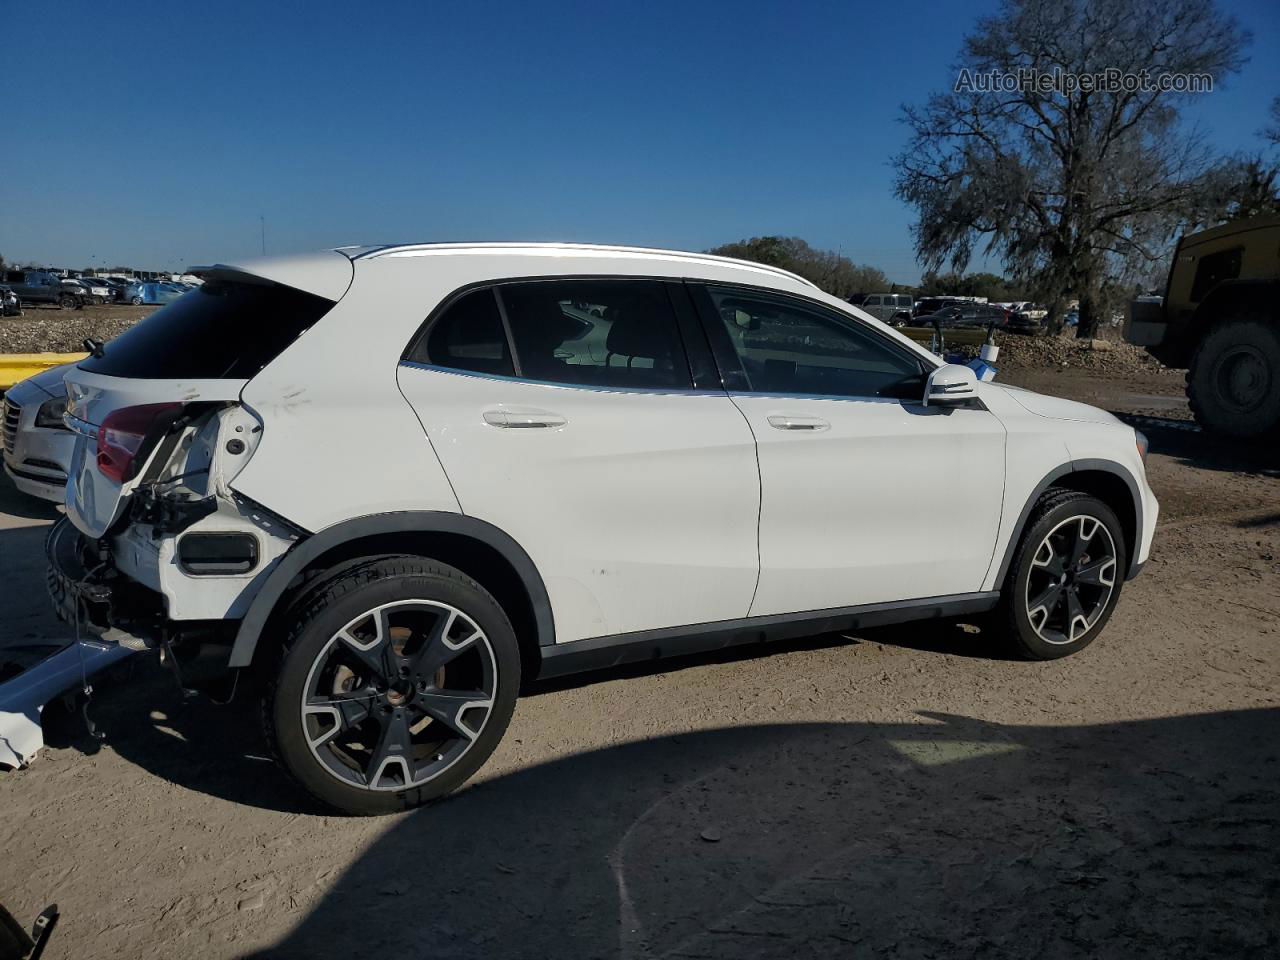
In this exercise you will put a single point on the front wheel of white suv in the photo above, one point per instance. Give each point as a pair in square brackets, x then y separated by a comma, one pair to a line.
[1065, 578]
[396, 683]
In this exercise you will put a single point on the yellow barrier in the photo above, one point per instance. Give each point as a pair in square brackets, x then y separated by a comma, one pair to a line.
[16, 367]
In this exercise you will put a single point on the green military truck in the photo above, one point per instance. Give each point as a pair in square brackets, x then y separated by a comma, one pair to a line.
[1220, 318]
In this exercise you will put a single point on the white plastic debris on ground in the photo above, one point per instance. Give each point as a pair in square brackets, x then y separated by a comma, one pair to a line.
[51, 671]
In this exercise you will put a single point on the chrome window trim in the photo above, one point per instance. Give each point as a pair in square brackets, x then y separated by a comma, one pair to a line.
[843, 398]
[499, 378]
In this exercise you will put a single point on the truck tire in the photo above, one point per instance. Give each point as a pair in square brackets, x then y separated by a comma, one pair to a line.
[1233, 384]
[67, 302]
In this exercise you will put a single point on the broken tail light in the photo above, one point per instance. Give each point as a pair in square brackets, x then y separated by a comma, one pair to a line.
[127, 436]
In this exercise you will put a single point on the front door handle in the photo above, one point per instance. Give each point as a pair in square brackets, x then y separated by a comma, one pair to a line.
[785, 421]
[523, 419]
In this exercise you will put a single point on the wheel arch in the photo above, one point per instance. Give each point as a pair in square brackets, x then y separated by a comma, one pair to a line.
[1110, 482]
[482, 551]
[1225, 302]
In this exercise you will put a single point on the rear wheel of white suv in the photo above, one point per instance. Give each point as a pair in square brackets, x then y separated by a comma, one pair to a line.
[1065, 578]
[396, 683]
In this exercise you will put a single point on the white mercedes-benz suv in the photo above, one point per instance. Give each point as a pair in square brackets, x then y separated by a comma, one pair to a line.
[391, 483]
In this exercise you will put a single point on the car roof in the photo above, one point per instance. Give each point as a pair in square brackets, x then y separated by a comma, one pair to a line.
[328, 273]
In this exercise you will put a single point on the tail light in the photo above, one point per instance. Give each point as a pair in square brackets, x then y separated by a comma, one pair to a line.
[127, 435]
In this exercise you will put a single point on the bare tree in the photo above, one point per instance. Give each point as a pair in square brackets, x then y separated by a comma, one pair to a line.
[1077, 191]
[1271, 134]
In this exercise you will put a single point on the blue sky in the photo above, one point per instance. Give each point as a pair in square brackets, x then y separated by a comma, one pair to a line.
[156, 136]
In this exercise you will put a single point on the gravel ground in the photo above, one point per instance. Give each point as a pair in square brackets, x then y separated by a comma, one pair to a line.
[50, 330]
[904, 792]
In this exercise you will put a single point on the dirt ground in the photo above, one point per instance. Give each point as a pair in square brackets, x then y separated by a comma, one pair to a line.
[901, 793]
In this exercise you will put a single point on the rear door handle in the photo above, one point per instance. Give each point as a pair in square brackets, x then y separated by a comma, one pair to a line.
[523, 419]
[785, 421]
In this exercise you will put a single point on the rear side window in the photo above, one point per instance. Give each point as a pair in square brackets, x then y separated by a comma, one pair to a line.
[219, 330]
[608, 333]
[467, 336]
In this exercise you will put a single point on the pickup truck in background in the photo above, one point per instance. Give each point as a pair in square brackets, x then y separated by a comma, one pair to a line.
[38, 286]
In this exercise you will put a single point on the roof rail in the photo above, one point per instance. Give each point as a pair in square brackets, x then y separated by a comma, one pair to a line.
[413, 249]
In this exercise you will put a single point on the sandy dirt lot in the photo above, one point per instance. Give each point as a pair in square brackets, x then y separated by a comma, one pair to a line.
[900, 793]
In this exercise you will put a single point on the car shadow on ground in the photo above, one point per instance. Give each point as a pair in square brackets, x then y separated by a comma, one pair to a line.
[214, 749]
[944, 837]
[1193, 447]
[219, 749]
[18, 504]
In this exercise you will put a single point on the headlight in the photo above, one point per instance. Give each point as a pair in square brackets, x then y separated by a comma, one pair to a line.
[1143, 444]
[50, 413]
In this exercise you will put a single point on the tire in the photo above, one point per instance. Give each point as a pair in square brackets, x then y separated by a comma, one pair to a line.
[348, 636]
[1028, 587]
[67, 302]
[1233, 384]
[136, 301]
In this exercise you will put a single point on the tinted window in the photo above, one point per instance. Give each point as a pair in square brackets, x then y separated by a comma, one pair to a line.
[786, 347]
[1213, 269]
[468, 336]
[217, 330]
[611, 333]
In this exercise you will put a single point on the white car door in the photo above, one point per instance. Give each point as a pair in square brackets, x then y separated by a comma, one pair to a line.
[867, 495]
[564, 413]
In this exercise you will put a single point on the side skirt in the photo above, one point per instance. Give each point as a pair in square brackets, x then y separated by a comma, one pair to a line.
[597, 653]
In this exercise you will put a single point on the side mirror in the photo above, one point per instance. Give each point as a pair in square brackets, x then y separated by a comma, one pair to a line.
[949, 384]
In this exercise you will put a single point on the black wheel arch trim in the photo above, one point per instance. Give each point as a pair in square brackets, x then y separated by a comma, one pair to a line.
[1078, 466]
[307, 551]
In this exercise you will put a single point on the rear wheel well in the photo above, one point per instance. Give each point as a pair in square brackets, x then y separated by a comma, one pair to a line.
[479, 561]
[1227, 302]
[1112, 490]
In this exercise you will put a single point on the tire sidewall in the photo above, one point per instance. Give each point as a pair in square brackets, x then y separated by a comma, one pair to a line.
[1209, 407]
[1029, 642]
[311, 638]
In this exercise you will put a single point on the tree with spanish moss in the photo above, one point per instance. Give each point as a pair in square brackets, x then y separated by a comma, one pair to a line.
[1075, 189]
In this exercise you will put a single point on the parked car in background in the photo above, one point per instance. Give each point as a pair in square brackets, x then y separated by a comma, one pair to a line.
[391, 592]
[1021, 323]
[37, 445]
[893, 308]
[118, 287]
[97, 290]
[965, 315]
[139, 293]
[44, 287]
[1029, 319]
[10, 305]
[927, 306]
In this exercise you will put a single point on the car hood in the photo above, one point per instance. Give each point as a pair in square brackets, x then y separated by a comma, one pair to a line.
[1055, 408]
[47, 381]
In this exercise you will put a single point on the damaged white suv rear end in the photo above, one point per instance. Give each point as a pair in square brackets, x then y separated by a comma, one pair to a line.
[158, 547]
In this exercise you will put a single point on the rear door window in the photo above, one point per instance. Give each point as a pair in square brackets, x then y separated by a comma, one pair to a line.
[600, 333]
[219, 330]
